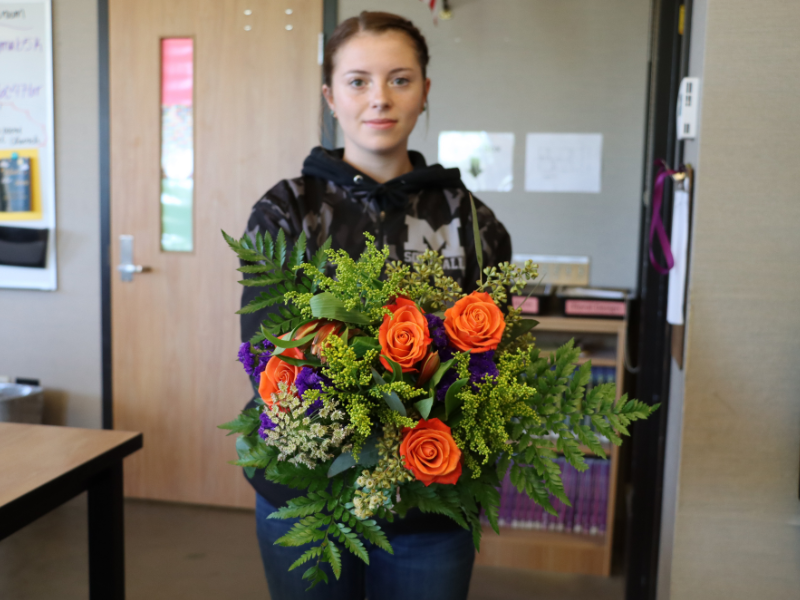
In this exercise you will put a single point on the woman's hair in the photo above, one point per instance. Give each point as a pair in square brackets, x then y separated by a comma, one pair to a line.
[372, 22]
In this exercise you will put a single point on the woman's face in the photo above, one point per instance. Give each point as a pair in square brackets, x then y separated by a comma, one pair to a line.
[377, 91]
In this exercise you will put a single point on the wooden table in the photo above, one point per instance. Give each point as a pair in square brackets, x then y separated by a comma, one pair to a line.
[42, 466]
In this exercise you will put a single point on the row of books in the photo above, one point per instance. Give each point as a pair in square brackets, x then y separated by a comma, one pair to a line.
[587, 493]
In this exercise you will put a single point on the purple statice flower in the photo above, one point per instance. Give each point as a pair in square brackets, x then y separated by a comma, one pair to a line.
[481, 364]
[263, 358]
[309, 379]
[436, 329]
[266, 423]
[446, 381]
[449, 378]
[248, 358]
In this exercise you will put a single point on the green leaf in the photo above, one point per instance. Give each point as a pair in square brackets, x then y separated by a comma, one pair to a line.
[318, 260]
[280, 248]
[476, 233]
[377, 377]
[311, 361]
[522, 327]
[245, 423]
[279, 343]
[397, 370]
[327, 306]
[361, 344]
[424, 407]
[391, 398]
[351, 541]
[372, 533]
[298, 251]
[443, 368]
[451, 400]
[306, 556]
[394, 402]
[341, 463]
[334, 557]
[368, 457]
[299, 507]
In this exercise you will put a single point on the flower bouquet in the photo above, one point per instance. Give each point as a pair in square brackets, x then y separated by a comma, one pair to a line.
[382, 387]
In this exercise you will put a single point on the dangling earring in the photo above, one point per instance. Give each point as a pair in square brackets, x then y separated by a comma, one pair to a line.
[425, 107]
[333, 113]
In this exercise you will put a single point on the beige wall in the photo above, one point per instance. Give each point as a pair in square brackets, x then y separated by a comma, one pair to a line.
[737, 532]
[55, 336]
[547, 66]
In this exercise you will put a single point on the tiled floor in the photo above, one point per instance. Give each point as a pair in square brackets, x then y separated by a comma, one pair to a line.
[176, 552]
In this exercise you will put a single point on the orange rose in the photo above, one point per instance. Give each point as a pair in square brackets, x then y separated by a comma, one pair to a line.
[431, 453]
[278, 371]
[404, 336]
[474, 324]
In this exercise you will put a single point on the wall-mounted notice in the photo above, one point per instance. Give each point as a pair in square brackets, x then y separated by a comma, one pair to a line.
[27, 186]
[486, 159]
[563, 162]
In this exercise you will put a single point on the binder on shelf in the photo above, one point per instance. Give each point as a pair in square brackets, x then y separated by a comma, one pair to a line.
[592, 302]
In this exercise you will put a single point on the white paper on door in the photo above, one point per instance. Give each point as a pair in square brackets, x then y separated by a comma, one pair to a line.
[679, 242]
[486, 160]
[563, 162]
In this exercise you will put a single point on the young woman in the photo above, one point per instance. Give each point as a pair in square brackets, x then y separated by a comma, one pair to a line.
[375, 84]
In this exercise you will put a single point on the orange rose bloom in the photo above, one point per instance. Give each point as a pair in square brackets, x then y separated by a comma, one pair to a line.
[474, 324]
[278, 371]
[404, 337]
[430, 452]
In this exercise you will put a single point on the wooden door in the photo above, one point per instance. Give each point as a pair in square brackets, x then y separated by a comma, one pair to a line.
[256, 107]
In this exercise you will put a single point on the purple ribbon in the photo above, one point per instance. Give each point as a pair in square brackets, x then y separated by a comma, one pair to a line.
[657, 225]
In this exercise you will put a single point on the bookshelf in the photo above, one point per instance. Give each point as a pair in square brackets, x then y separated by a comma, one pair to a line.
[567, 552]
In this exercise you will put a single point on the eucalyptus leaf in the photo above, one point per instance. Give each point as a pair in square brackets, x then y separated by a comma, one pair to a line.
[424, 407]
[377, 377]
[327, 306]
[343, 462]
[451, 400]
[368, 457]
[393, 401]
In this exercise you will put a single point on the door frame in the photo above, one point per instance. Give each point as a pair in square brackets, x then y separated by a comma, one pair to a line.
[330, 13]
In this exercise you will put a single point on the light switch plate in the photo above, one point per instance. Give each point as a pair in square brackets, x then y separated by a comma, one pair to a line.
[559, 270]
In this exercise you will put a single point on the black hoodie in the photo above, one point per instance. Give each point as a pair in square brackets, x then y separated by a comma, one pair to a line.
[426, 208]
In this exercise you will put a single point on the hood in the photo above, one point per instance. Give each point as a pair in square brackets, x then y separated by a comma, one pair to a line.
[393, 194]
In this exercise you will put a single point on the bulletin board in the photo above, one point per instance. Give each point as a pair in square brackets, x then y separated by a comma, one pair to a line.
[26, 132]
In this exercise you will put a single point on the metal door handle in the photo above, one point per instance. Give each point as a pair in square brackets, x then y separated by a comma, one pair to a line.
[126, 267]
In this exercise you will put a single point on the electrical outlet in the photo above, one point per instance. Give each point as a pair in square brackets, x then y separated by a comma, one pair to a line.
[559, 270]
[688, 99]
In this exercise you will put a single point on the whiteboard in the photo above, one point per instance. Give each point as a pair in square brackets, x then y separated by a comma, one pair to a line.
[26, 125]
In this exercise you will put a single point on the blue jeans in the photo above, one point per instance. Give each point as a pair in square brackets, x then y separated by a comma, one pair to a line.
[435, 566]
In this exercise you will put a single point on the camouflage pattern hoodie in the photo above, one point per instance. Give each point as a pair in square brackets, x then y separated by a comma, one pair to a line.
[426, 208]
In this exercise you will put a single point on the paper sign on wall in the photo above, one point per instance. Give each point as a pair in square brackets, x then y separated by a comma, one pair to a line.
[27, 183]
[563, 162]
[486, 160]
